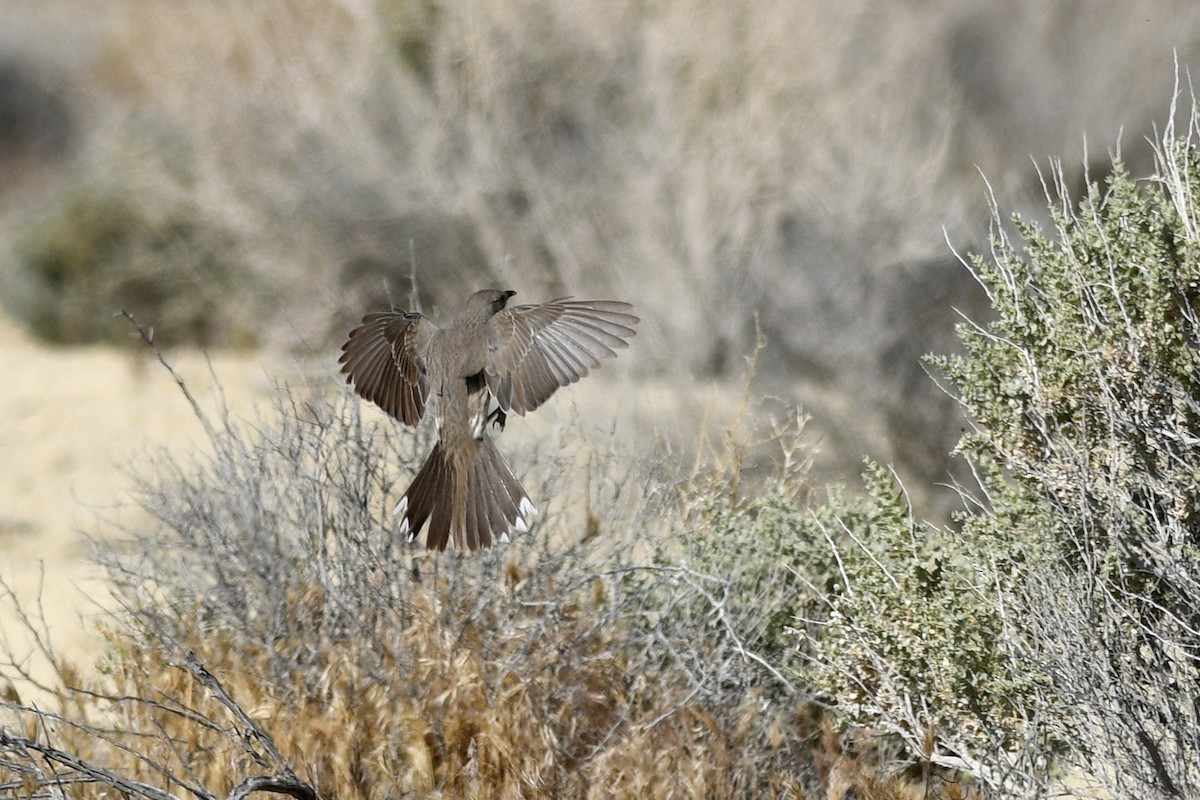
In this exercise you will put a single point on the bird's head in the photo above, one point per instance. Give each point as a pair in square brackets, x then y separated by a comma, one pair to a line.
[488, 302]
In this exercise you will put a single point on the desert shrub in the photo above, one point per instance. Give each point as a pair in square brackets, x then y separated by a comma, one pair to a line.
[753, 546]
[1057, 630]
[747, 532]
[904, 638]
[109, 242]
[847, 601]
[1087, 395]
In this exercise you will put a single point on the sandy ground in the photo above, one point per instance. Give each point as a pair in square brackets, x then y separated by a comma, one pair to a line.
[70, 420]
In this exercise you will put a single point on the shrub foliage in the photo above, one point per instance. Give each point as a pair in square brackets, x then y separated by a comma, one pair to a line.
[1087, 395]
[1059, 629]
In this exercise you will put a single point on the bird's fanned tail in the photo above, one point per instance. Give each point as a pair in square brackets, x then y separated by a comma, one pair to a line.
[469, 494]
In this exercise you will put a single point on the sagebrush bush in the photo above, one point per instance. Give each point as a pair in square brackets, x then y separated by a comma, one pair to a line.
[903, 637]
[1058, 628]
[107, 243]
[1086, 391]
[749, 537]
[853, 603]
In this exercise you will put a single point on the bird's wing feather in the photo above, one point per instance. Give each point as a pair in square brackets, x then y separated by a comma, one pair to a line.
[383, 361]
[533, 350]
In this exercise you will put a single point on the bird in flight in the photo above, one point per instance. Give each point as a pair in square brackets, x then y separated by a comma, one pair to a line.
[515, 357]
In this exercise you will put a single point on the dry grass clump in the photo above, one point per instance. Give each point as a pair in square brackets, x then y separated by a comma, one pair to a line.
[448, 728]
[564, 713]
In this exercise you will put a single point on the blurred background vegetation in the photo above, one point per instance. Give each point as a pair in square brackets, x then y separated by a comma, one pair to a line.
[242, 174]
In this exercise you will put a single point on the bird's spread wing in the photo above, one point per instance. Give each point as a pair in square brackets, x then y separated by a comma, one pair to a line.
[383, 360]
[535, 349]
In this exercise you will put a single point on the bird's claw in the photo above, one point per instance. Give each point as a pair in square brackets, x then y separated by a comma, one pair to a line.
[498, 417]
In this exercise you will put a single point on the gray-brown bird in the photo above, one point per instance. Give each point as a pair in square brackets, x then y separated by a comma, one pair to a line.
[515, 356]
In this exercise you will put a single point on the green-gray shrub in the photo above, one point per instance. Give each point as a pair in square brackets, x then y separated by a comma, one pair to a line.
[107, 245]
[1064, 622]
[903, 640]
[1086, 393]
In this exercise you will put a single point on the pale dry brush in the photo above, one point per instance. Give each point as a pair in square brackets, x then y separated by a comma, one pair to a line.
[588, 651]
[103, 738]
[749, 154]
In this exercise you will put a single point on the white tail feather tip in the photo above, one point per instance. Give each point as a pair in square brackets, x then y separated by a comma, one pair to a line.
[527, 509]
[401, 510]
[526, 513]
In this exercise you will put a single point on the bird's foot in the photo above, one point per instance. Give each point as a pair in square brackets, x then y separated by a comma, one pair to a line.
[498, 418]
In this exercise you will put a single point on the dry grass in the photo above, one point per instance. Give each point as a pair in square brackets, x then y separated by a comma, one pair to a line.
[563, 718]
[453, 720]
